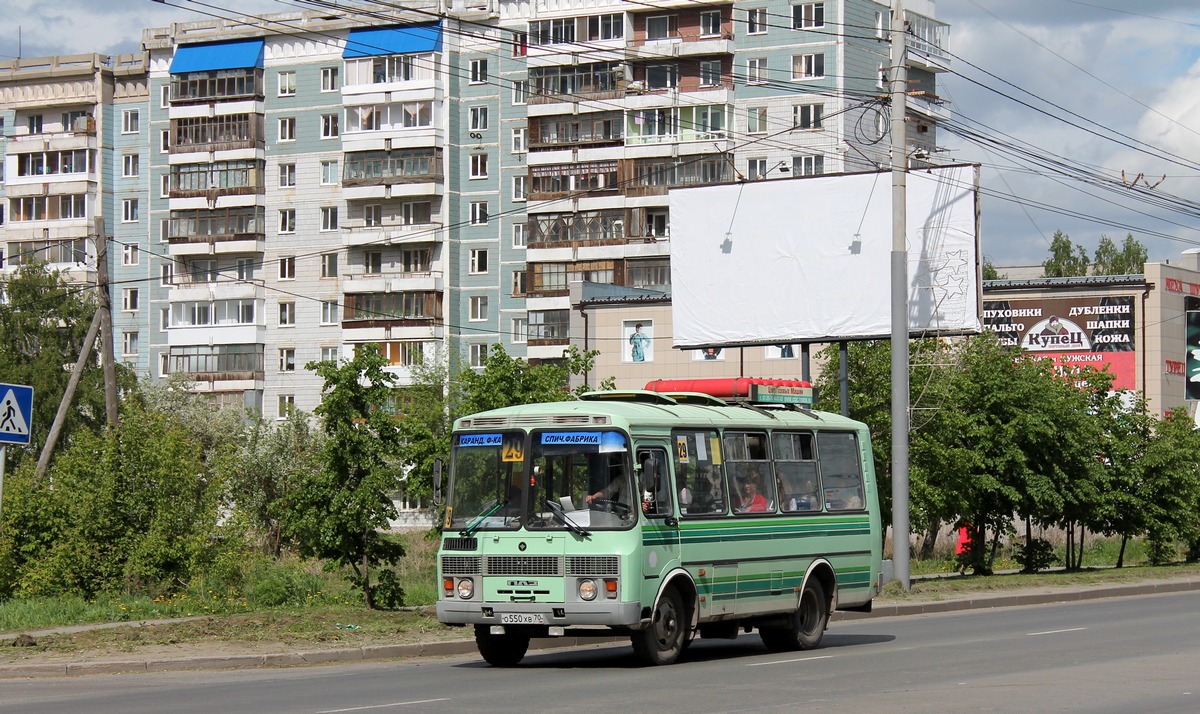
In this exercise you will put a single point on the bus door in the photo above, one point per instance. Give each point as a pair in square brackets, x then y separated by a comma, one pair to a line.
[660, 534]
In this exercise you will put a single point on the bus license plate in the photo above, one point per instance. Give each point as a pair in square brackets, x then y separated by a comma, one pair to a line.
[523, 619]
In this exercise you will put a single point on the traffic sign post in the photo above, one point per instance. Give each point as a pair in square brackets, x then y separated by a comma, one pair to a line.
[16, 413]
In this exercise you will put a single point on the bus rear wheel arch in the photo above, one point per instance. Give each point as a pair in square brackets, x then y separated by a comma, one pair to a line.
[505, 650]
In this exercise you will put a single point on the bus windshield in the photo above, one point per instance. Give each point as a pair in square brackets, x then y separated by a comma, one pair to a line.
[486, 482]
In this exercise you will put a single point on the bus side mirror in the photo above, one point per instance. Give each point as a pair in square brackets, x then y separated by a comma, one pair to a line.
[649, 480]
[437, 482]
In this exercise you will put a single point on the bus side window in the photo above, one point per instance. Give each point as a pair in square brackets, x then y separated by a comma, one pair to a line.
[653, 472]
[841, 470]
[698, 468]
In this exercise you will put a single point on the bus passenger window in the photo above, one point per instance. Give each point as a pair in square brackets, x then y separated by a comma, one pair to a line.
[751, 479]
[841, 470]
[697, 459]
[796, 472]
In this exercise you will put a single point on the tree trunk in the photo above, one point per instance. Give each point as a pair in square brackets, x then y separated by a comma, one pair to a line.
[1079, 547]
[1121, 552]
[1028, 566]
[1070, 544]
[930, 541]
[368, 596]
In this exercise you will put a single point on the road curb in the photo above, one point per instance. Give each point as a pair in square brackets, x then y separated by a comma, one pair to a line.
[466, 646]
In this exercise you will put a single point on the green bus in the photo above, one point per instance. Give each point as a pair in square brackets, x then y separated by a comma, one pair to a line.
[659, 515]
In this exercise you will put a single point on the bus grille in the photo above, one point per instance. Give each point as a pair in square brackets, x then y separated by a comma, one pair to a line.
[523, 565]
[460, 565]
[460, 544]
[592, 565]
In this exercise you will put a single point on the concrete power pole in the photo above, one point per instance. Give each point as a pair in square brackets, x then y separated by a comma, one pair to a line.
[108, 349]
[899, 96]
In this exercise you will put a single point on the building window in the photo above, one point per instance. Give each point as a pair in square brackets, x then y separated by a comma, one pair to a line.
[129, 166]
[756, 120]
[710, 73]
[477, 354]
[807, 116]
[756, 20]
[129, 210]
[479, 71]
[520, 187]
[329, 218]
[287, 84]
[659, 27]
[287, 129]
[129, 299]
[520, 92]
[479, 308]
[287, 220]
[520, 330]
[756, 168]
[329, 79]
[131, 121]
[129, 343]
[662, 76]
[808, 15]
[164, 96]
[810, 66]
[329, 312]
[479, 261]
[129, 254]
[164, 141]
[656, 224]
[520, 44]
[329, 126]
[167, 274]
[164, 186]
[287, 360]
[519, 278]
[710, 23]
[813, 165]
[329, 354]
[164, 230]
[373, 215]
[373, 262]
[287, 268]
[520, 140]
[203, 271]
[287, 314]
[756, 70]
[479, 118]
[479, 166]
[329, 173]
[479, 213]
[245, 268]
[518, 235]
[164, 319]
[287, 175]
[287, 405]
[329, 265]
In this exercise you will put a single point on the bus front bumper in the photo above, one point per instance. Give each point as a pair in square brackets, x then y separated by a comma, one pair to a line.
[466, 612]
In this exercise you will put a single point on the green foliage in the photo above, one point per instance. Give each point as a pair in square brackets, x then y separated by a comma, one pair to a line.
[338, 511]
[1129, 260]
[279, 584]
[989, 271]
[505, 380]
[1066, 259]
[389, 593]
[1035, 555]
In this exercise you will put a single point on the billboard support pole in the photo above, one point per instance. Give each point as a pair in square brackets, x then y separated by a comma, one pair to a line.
[900, 396]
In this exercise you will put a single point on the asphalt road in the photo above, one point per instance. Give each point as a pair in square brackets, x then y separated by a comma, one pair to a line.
[1136, 654]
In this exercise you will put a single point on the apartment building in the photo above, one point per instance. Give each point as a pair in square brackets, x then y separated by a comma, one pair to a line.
[428, 177]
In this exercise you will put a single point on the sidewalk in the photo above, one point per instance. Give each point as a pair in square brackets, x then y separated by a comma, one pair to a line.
[1010, 598]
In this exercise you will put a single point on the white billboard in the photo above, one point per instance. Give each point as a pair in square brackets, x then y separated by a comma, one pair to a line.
[809, 259]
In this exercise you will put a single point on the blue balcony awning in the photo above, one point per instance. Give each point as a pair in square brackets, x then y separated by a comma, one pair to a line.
[212, 56]
[394, 40]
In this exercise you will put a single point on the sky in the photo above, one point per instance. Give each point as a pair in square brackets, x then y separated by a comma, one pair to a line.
[1058, 99]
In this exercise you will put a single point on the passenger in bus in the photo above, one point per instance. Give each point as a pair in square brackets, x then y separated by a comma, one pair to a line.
[752, 500]
[806, 500]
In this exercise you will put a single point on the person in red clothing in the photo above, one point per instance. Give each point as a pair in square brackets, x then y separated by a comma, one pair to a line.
[752, 500]
[962, 551]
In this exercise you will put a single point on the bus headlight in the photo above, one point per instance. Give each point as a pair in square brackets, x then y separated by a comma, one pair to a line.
[587, 589]
[466, 588]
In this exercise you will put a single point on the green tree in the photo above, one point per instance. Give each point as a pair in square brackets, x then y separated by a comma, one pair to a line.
[1129, 260]
[1066, 259]
[43, 322]
[337, 512]
[1171, 484]
[989, 271]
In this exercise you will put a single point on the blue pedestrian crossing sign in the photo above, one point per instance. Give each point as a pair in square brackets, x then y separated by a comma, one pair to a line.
[16, 412]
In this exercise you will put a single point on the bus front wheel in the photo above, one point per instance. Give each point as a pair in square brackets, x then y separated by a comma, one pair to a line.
[807, 625]
[505, 650]
[663, 641]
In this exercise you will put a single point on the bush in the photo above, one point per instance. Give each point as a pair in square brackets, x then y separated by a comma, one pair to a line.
[284, 584]
[1035, 555]
[387, 591]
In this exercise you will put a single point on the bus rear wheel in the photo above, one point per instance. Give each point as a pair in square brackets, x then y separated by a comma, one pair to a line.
[664, 640]
[505, 650]
[807, 625]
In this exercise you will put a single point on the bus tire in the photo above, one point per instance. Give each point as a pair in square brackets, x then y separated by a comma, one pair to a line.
[807, 622]
[505, 650]
[663, 641]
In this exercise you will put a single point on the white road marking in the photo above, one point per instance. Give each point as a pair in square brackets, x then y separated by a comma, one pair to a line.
[383, 706]
[1054, 632]
[789, 661]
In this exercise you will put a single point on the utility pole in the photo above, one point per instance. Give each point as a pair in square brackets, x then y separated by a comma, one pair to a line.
[899, 96]
[108, 348]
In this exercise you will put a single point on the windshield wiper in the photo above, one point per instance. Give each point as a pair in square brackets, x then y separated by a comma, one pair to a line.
[571, 525]
[475, 524]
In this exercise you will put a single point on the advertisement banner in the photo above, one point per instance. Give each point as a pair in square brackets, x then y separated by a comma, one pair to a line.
[1078, 332]
[1192, 359]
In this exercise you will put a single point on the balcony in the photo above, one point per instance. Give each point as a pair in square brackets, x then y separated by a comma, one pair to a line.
[229, 230]
[549, 85]
[220, 133]
[357, 233]
[380, 309]
[393, 282]
[222, 178]
[386, 168]
[201, 287]
[216, 86]
[678, 46]
[217, 362]
[926, 39]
